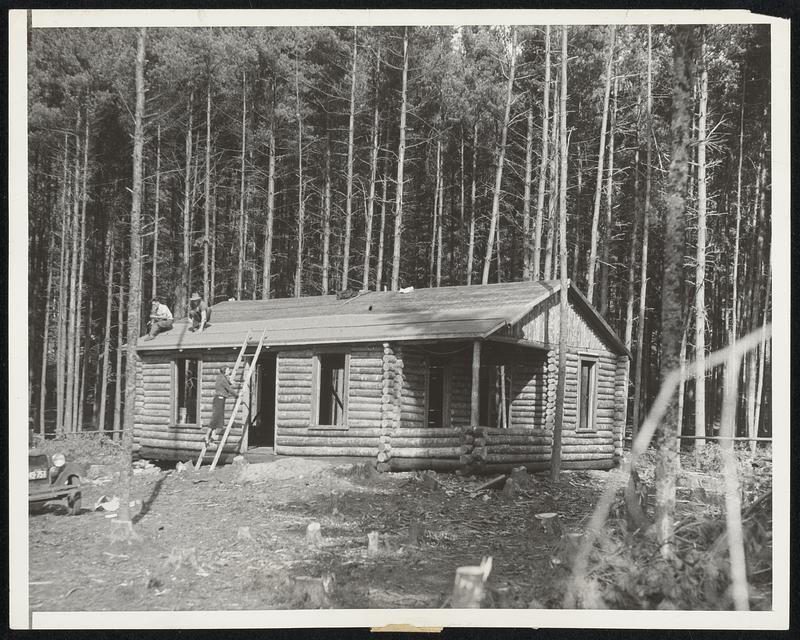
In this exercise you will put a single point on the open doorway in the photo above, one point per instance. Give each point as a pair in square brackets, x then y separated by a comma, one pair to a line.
[262, 427]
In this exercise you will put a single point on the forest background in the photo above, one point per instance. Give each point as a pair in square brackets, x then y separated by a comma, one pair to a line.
[319, 158]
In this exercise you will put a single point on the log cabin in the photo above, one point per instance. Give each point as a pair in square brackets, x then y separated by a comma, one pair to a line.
[446, 378]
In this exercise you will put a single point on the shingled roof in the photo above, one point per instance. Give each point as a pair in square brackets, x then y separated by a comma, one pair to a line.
[442, 313]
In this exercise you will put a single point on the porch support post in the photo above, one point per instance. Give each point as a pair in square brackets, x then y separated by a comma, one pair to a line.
[476, 373]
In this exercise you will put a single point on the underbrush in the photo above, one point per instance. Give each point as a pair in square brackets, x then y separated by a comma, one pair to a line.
[87, 448]
[627, 570]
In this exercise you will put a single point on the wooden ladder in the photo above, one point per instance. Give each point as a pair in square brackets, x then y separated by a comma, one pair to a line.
[245, 389]
[233, 377]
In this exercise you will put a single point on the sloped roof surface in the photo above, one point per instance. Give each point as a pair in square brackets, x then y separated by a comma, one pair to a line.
[464, 312]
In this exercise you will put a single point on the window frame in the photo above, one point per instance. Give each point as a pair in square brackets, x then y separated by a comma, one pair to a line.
[174, 408]
[591, 422]
[316, 382]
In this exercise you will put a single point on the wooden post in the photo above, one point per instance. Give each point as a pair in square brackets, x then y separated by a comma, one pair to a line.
[476, 373]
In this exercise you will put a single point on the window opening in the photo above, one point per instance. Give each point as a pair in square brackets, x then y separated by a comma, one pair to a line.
[187, 383]
[587, 395]
[332, 392]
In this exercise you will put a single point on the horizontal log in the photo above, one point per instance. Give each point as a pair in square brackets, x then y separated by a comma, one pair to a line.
[495, 458]
[293, 423]
[569, 455]
[418, 464]
[520, 440]
[153, 420]
[368, 362]
[430, 432]
[356, 452]
[232, 443]
[512, 449]
[326, 441]
[294, 399]
[425, 452]
[452, 441]
[288, 386]
[293, 413]
[355, 422]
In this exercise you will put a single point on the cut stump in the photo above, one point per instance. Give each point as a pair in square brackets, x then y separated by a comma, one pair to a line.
[469, 586]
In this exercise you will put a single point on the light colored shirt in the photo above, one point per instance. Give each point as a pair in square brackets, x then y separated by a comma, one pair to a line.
[163, 312]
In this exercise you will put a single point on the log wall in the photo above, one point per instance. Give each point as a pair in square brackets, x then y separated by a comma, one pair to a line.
[296, 434]
[155, 431]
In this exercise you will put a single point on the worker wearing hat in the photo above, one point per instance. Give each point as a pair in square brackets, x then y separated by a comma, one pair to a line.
[199, 312]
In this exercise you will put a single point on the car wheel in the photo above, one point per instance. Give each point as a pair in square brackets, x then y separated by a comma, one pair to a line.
[74, 501]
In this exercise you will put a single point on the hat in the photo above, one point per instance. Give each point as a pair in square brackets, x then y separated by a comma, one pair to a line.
[195, 296]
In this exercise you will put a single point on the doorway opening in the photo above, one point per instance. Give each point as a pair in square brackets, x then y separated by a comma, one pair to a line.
[262, 425]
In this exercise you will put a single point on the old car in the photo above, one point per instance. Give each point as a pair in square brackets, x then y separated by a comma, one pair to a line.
[53, 478]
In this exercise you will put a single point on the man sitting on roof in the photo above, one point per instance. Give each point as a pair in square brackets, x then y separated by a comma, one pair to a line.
[199, 313]
[160, 318]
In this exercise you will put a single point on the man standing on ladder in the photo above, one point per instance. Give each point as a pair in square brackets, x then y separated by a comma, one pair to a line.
[223, 389]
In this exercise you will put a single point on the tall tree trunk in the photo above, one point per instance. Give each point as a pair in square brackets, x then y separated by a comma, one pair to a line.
[527, 245]
[242, 195]
[632, 259]
[501, 157]
[326, 220]
[348, 220]
[120, 341]
[79, 304]
[435, 217]
[638, 396]
[213, 284]
[549, 271]
[301, 203]
[700, 274]
[207, 199]
[73, 287]
[609, 230]
[734, 330]
[45, 339]
[439, 218]
[401, 156]
[472, 200]
[84, 366]
[555, 459]
[107, 333]
[373, 172]
[590, 268]
[154, 285]
[753, 432]
[61, 318]
[672, 282]
[382, 234]
[183, 288]
[134, 284]
[268, 232]
[537, 232]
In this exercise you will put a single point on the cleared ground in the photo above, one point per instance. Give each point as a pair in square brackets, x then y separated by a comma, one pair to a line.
[236, 539]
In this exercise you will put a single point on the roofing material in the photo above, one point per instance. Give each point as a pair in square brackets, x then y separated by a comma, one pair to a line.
[442, 313]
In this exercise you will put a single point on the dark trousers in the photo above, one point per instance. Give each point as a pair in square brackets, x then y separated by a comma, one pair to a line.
[218, 413]
[157, 326]
[195, 316]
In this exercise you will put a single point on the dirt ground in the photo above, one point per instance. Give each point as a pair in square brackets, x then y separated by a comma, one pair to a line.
[193, 553]
[236, 538]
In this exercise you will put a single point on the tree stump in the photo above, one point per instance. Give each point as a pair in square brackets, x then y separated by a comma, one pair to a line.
[510, 488]
[373, 543]
[313, 535]
[548, 523]
[415, 533]
[520, 475]
[243, 533]
[469, 586]
[307, 592]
